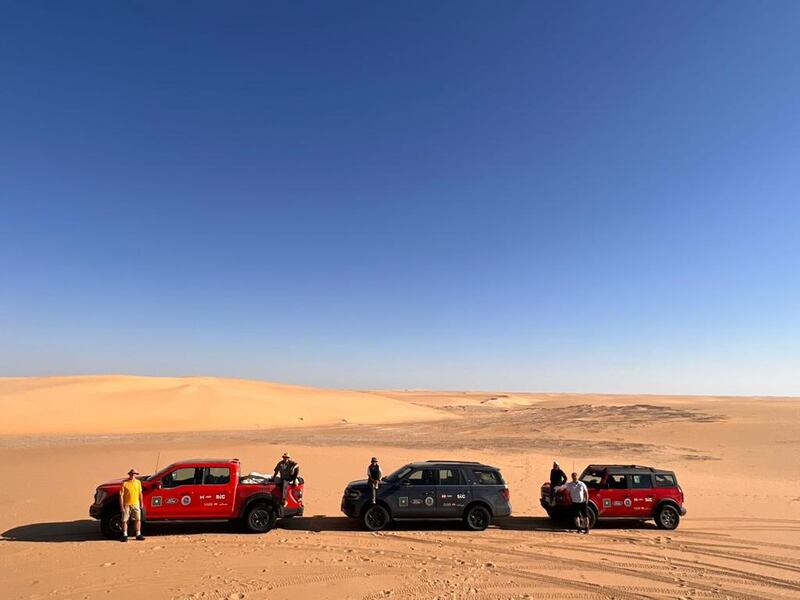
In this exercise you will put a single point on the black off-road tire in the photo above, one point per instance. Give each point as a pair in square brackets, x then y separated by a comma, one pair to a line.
[375, 518]
[667, 517]
[111, 523]
[477, 517]
[592, 513]
[260, 517]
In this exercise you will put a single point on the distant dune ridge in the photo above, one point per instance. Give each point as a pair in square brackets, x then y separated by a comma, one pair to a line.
[112, 404]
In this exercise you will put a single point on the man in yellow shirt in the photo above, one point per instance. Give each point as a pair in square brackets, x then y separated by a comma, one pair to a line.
[131, 502]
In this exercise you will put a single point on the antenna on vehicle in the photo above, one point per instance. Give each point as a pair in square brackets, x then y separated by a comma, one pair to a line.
[158, 460]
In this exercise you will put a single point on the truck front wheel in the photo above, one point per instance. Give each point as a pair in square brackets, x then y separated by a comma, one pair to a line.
[111, 523]
[260, 518]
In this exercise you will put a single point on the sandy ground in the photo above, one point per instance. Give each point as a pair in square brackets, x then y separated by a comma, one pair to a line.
[736, 458]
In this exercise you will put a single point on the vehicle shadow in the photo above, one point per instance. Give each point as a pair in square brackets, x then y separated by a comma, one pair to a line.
[84, 530]
[547, 524]
[87, 530]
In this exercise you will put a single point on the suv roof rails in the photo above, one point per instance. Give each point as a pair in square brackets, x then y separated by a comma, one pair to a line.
[455, 462]
[623, 467]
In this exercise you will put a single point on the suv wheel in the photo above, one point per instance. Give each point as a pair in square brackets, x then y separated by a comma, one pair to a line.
[376, 517]
[592, 516]
[667, 517]
[111, 523]
[260, 518]
[477, 518]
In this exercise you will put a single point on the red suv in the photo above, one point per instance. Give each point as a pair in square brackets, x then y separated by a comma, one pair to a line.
[623, 492]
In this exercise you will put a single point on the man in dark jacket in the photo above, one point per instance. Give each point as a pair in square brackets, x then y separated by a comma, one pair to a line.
[288, 471]
[374, 474]
[557, 479]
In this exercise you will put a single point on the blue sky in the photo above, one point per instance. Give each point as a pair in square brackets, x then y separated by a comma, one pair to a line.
[521, 196]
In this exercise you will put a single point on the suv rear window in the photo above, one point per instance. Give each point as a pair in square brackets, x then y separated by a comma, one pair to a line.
[664, 480]
[641, 482]
[488, 477]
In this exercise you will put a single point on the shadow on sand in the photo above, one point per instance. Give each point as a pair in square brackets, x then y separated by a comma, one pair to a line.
[87, 530]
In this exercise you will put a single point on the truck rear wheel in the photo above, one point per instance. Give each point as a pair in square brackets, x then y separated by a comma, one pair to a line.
[260, 518]
[111, 523]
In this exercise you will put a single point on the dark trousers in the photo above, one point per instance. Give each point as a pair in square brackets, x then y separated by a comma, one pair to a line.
[374, 485]
[580, 509]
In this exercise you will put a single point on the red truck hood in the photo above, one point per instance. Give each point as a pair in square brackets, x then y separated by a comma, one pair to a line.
[117, 483]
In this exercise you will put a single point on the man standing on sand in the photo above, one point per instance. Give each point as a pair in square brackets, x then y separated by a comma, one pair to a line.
[557, 479]
[288, 471]
[131, 503]
[579, 494]
[374, 475]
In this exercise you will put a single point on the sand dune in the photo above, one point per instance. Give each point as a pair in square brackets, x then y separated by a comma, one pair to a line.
[736, 459]
[110, 404]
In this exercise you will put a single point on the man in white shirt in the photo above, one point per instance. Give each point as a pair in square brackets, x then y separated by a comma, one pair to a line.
[579, 494]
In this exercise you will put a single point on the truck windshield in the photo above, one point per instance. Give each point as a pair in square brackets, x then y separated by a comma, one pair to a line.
[155, 476]
[399, 474]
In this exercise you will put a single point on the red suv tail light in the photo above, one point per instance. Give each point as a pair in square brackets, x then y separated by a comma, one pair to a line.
[506, 494]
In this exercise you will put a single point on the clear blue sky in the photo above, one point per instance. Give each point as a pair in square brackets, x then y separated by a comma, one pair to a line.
[519, 195]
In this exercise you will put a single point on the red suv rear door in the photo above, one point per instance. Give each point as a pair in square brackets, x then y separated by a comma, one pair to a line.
[614, 496]
[641, 489]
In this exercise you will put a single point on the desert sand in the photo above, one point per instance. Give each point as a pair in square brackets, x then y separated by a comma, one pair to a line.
[736, 459]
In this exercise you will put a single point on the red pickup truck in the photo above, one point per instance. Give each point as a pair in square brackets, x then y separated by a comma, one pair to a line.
[202, 490]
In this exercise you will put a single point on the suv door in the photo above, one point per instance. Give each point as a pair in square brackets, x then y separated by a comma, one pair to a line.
[641, 493]
[452, 494]
[215, 495]
[615, 496]
[177, 496]
[416, 496]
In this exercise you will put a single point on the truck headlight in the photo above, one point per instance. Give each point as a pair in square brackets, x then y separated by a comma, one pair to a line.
[352, 494]
[99, 496]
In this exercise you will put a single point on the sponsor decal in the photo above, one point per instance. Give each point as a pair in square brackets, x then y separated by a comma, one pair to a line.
[186, 500]
[155, 501]
[648, 499]
[617, 503]
[403, 501]
[461, 496]
[628, 502]
[429, 501]
[606, 502]
[416, 501]
[172, 500]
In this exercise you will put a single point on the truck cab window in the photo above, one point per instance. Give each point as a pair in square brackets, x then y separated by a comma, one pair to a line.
[179, 477]
[216, 475]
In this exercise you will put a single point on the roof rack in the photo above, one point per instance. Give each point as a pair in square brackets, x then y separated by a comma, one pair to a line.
[455, 462]
[621, 467]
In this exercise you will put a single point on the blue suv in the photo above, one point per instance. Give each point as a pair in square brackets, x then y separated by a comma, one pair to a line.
[434, 489]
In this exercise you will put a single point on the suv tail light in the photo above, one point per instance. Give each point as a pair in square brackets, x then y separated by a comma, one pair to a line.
[680, 493]
[506, 494]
